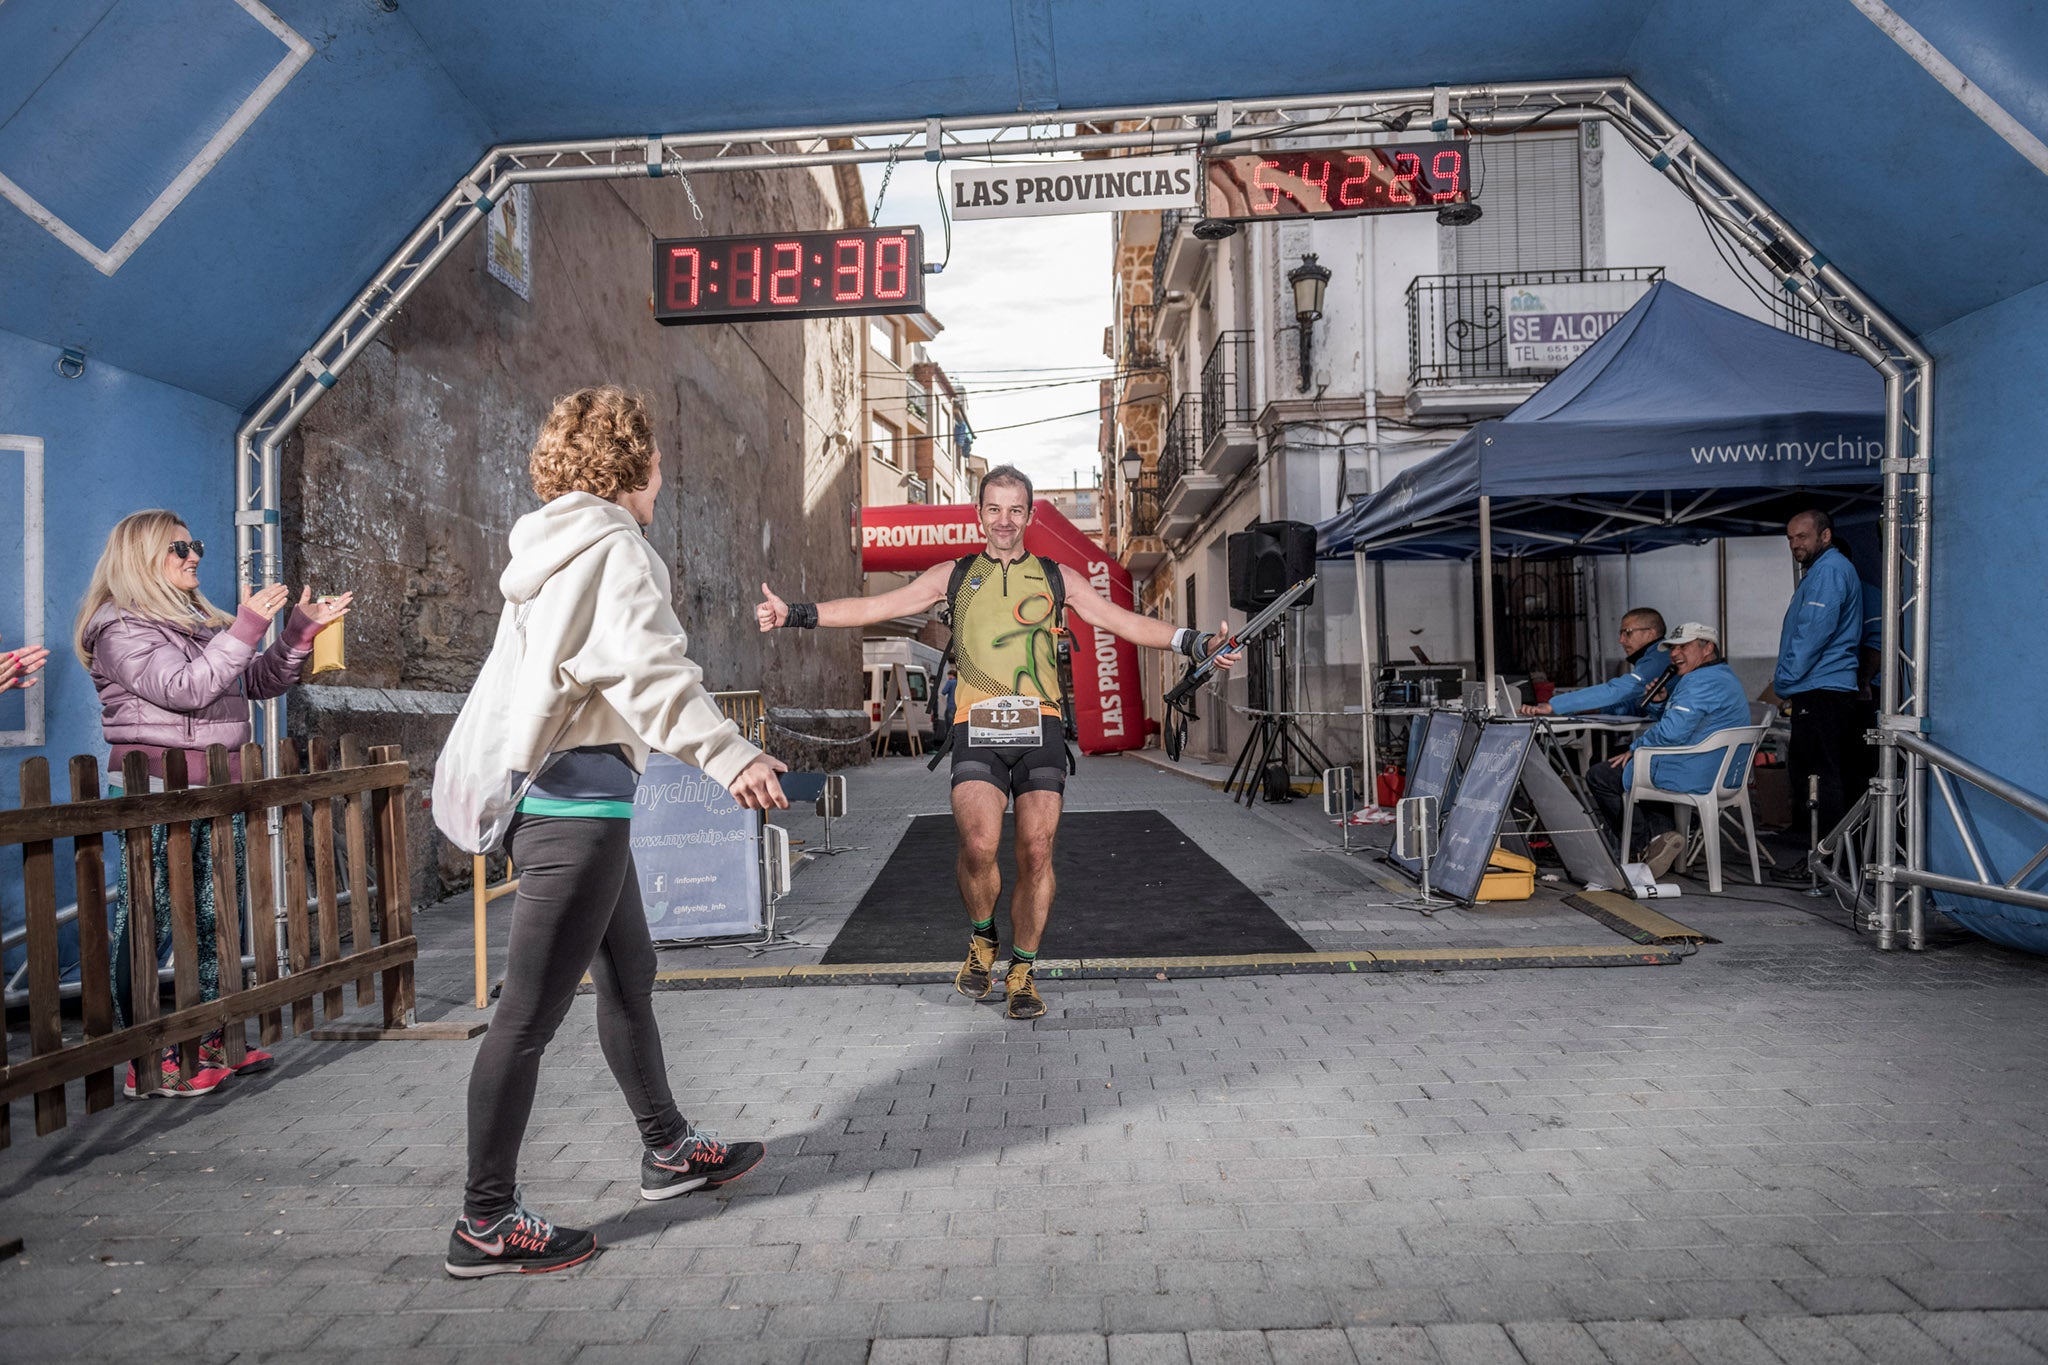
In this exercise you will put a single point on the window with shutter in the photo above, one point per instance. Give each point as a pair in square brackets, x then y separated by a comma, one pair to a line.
[1529, 187]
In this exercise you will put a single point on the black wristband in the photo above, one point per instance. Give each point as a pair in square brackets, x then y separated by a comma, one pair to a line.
[802, 616]
[1197, 645]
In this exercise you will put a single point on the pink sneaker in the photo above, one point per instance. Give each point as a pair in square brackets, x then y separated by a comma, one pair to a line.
[202, 1082]
[213, 1055]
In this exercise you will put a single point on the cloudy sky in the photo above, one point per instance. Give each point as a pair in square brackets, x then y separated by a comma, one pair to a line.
[1024, 302]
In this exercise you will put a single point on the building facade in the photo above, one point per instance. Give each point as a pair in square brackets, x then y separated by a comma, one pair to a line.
[403, 484]
[916, 444]
[1235, 423]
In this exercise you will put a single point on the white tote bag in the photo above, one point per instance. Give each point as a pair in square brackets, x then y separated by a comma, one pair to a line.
[474, 795]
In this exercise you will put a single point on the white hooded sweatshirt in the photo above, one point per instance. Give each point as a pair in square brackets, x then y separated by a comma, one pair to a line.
[598, 623]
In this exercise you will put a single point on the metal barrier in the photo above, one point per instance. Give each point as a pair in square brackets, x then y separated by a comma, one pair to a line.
[746, 710]
[371, 785]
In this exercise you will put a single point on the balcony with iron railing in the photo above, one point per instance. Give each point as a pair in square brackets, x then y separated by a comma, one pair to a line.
[1141, 349]
[1141, 364]
[1459, 358]
[1228, 441]
[1142, 517]
[1789, 314]
[1169, 228]
[1176, 260]
[1186, 489]
[1177, 445]
[1142, 549]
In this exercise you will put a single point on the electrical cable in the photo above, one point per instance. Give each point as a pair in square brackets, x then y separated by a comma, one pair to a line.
[1522, 127]
[1033, 369]
[945, 216]
[1715, 232]
[1020, 386]
[1063, 417]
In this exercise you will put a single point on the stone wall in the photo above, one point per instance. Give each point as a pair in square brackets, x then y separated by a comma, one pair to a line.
[403, 484]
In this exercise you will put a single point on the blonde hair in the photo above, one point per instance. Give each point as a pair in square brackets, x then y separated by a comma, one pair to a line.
[597, 440]
[130, 575]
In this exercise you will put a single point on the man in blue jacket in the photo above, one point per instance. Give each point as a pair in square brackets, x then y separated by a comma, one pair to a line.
[1818, 672]
[1642, 647]
[1705, 697]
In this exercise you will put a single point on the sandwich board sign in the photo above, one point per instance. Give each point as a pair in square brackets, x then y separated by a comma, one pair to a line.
[698, 855]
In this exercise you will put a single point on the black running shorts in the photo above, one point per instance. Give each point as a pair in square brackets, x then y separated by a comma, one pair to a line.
[1014, 771]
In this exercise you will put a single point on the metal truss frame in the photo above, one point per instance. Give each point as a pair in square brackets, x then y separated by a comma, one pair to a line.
[1801, 269]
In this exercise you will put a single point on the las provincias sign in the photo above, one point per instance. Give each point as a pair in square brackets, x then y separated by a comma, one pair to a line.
[1113, 184]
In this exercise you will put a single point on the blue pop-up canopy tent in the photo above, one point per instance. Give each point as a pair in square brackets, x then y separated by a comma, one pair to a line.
[1685, 422]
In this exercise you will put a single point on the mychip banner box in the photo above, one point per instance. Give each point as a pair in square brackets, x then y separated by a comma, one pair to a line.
[698, 855]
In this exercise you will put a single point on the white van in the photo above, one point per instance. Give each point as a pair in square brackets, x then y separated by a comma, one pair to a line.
[920, 673]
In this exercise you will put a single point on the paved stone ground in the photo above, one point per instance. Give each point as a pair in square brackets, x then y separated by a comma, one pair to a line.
[1788, 1147]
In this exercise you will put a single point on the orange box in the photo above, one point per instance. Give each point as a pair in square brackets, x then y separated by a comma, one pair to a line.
[1509, 877]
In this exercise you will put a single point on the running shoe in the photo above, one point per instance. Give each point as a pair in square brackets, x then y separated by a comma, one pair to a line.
[203, 1081]
[516, 1243]
[977, 974]
[1023, 991]
[213, 1053]
[699, 1161]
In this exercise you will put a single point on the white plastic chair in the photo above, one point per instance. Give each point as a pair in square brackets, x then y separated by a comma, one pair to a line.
[1731, 788]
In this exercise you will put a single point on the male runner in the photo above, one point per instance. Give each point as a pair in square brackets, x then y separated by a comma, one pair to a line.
[1007, 739]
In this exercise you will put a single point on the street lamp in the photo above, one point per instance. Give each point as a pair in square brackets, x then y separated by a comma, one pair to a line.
[1133, 465]
[1309, 281]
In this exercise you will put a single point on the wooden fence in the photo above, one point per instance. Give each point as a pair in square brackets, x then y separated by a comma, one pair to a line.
[369, 786]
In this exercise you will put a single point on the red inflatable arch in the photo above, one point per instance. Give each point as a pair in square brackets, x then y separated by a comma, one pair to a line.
[1109, 710]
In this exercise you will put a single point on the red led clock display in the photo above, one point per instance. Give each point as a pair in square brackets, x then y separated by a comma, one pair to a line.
[1332, 182]
[788, 275]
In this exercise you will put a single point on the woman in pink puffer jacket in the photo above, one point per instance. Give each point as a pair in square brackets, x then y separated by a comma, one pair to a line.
[175, 674]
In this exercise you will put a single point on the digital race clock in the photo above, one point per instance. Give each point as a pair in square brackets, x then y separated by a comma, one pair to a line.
[1332, 182]
[788, 275]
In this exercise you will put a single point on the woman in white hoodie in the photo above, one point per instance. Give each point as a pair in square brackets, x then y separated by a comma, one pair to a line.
[603, 679]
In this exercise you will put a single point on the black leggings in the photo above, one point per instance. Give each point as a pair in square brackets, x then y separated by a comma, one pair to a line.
[577, 907]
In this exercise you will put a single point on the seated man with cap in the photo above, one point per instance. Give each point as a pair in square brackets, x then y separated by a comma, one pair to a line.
[1705, 697]
[1642, 647]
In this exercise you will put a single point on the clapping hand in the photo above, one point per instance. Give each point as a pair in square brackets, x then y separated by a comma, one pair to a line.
[267, 602]
[17, 664]
[771, 611]
[327, 611]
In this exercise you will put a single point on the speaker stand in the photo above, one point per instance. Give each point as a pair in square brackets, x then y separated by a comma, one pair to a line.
[1275, 733]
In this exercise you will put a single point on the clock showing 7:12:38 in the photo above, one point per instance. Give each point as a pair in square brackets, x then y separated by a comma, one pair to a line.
[788, 275]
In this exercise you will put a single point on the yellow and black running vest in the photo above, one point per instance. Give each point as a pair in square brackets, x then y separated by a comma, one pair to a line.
[1004, 618]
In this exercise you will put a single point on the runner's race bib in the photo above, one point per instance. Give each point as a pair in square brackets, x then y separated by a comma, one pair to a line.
[1004, 723]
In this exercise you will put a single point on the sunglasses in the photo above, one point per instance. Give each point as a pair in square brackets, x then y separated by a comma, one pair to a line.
[189, 549]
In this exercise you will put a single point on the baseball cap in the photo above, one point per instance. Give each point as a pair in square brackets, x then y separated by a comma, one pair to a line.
[1693, 630]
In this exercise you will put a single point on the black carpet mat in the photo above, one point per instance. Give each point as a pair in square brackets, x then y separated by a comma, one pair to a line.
[1130, 884]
